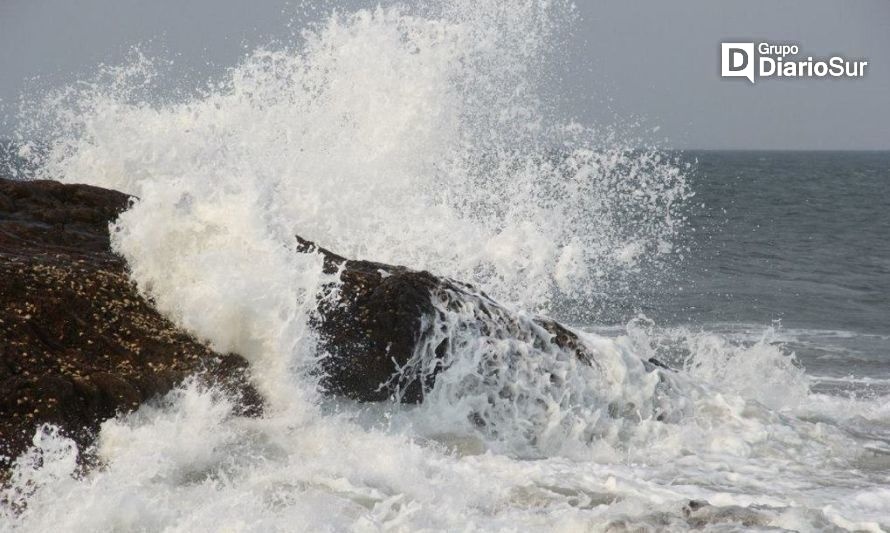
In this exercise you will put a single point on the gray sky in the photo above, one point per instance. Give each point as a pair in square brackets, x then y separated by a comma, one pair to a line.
[651, 60]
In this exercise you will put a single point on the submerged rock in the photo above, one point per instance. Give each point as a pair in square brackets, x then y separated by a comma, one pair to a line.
[78, 344]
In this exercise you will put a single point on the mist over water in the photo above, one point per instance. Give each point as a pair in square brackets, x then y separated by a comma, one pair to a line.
[423, 136]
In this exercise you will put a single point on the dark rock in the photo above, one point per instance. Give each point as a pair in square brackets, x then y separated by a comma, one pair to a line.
[382, 313]
[78, 344]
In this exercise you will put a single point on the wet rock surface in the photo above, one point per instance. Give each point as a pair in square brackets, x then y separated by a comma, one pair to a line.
[78, 344]
[384, 315]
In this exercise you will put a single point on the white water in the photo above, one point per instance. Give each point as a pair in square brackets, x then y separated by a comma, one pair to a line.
[417, 136]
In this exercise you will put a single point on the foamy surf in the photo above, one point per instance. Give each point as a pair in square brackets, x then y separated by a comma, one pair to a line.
[417, 136]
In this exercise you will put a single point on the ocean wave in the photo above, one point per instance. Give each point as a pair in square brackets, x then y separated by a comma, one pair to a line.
[416, 136]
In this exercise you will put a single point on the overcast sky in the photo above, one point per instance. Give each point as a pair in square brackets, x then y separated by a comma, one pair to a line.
[651, 60]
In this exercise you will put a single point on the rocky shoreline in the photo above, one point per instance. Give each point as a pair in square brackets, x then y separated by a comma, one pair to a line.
[80, 345]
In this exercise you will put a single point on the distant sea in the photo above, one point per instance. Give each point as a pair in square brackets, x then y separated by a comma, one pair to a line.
[799, 240]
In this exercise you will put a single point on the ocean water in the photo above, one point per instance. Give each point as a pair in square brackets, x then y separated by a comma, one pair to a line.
[428, 136]
[795, 241]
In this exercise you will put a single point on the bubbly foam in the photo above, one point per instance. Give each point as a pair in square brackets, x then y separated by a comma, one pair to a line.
[419, 136]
